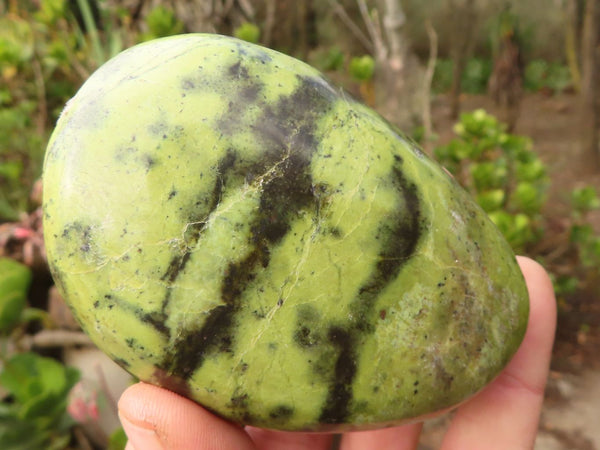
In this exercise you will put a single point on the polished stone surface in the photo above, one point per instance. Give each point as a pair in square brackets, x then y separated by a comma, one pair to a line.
[226, 223]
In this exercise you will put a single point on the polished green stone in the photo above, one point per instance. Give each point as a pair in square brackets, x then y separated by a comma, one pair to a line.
[226, 223]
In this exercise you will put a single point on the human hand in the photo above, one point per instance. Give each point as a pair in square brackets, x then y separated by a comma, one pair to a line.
[503, 415]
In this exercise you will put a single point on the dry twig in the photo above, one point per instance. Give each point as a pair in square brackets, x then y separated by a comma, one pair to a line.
[427, 80]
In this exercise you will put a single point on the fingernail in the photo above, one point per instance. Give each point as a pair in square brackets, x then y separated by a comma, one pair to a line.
[140, 438]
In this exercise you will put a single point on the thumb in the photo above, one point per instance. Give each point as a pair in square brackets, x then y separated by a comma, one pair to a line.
[156, 419]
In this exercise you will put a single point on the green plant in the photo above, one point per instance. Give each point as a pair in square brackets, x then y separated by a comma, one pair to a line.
[247, 32]
[117, 440]
[362, 68]
[476, 75]
[327, 60]
[161, 22]
[502, 172]
[33, 410]
[442, 76]
[474, 78]
[553, 76]
[15, 279]
[582, 234]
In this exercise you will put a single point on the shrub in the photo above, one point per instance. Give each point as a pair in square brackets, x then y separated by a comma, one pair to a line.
[510, 182]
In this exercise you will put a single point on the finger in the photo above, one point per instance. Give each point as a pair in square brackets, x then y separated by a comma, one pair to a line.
[506, 413]
[398, 438]
[276, 440]
[154, 418]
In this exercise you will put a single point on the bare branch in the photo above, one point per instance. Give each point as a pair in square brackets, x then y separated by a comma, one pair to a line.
[380, 50]
[247, 9]
[355, 29]
[269, 22]
[427, 80]
[393, 21]
[56, 338]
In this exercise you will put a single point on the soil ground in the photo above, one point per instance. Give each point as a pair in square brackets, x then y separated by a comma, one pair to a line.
[572, 403]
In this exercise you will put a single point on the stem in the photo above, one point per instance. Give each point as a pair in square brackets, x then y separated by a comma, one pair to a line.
[343, 15]
[56, 338]
[427, 80]
[41, 94]
[90, 26]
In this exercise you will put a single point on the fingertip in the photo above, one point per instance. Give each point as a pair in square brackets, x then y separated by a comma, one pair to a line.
[155, 418]
[539, 338]
[539, 284]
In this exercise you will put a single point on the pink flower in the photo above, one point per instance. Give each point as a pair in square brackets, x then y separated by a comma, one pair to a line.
[83, 403]
[22, 233]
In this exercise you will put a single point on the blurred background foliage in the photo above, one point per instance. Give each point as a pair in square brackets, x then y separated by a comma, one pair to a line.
[495, 49]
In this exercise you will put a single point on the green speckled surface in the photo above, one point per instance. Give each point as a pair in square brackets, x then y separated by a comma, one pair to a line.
[227, 224]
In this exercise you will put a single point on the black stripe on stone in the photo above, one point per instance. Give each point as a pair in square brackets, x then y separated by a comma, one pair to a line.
[340, 392]
[399, 240]
[287, 133]
[198, 221]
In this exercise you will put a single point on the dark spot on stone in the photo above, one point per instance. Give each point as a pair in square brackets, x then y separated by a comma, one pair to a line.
[171, 382]
[250, 93]
[121, 362]
[130, 342]
[187, 84]
[382, 314]
[281, 413]
[336, 232]
[280, 302]
[96, 304]
[304, 338]
[239, 401]
[148, 161]
[238, 70]
[172, 194]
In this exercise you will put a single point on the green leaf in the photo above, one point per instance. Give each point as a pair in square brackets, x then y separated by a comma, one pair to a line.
[15, 279]
[475, 76]
[16, 41]
[531, 171]
[362, 68]
[117, 440]
[51, 11]
[328, 59]
[11, 170]
[248, 32]
[581, 234]
[565, 285]
[162, 22]
[585, 199]
[527, 198]
[491, 200]
[489, 174]
[31, 379]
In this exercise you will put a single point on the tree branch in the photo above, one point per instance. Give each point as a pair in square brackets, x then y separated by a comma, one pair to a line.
[427, 80]
[56, 338]
[380, 50]
[355, 29]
